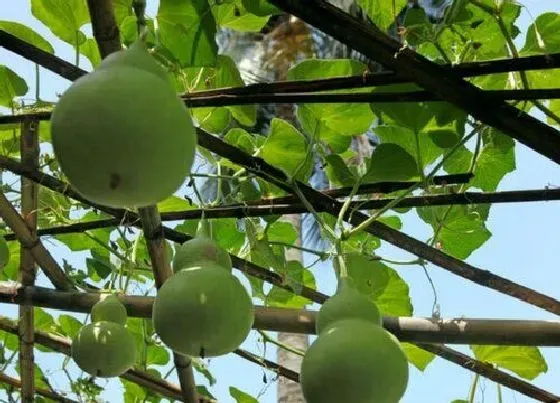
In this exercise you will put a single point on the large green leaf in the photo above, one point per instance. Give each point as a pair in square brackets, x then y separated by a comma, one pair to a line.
[383, 284]
[332, 123]
[63, 17]
[459, 229]
[234, 15]
[26, 34]
[187, 29]
[383, 13]
[286, 148]
[281, 231]
[11, 86]
[496, 159]
[338, 172]
[419, 145]
[542, 36]
[525, 361]
[390, 162]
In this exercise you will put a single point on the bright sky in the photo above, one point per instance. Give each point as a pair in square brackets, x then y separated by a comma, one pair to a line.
[523, 248]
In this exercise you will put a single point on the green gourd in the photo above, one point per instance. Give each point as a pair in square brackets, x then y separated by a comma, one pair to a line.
[203, 311]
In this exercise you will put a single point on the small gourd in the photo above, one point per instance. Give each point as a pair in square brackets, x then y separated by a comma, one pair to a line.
[109, 309]
[346, 303]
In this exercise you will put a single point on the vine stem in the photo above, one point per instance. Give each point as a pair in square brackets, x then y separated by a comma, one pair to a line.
[472, 392]
[411, 189]
[268, 339]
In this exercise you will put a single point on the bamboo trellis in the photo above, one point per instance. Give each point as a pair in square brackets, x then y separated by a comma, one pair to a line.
[442, 83]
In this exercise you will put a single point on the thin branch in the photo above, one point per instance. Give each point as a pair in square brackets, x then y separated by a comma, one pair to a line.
[30, 242]
[488, 371]
[29, 146]
[16, 383]
[63, 345]
[445, 84]
[267, 364]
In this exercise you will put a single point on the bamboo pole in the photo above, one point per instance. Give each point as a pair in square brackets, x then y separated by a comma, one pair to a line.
[277, 206]
[410, 329]
[29, 146]
[18, 384]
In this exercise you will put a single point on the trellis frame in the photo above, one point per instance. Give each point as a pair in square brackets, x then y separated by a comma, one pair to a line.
[370, 42]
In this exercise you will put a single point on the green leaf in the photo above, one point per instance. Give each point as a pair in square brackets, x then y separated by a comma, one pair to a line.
[187, 29]
[224, 74]
[282, 231]
[286, 148]
[243, 140]
[43, 321]
[157, 355]
[381, 283]
[212, 120]
[395, 298]
[262, 8]
[69, 325]
[382, 12]
[174, 203]
[11, 86]
[459, 161]
[240, 396]
[390, 162]
[26, 34]
[233, 15]
[90, 49]
[123, 9]
[542, 35]
[338, 172]
[200, 366]
[419, 145]
[496, 159]
[63, 17]
[554, 106]
[418, 357]
[296, 276]
[100, 265]
[525, 361]
[11, 270]
[336, 123]
[460, 229]
[370, 276]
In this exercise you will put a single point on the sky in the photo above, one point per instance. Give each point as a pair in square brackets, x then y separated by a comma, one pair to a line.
[523, 248]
